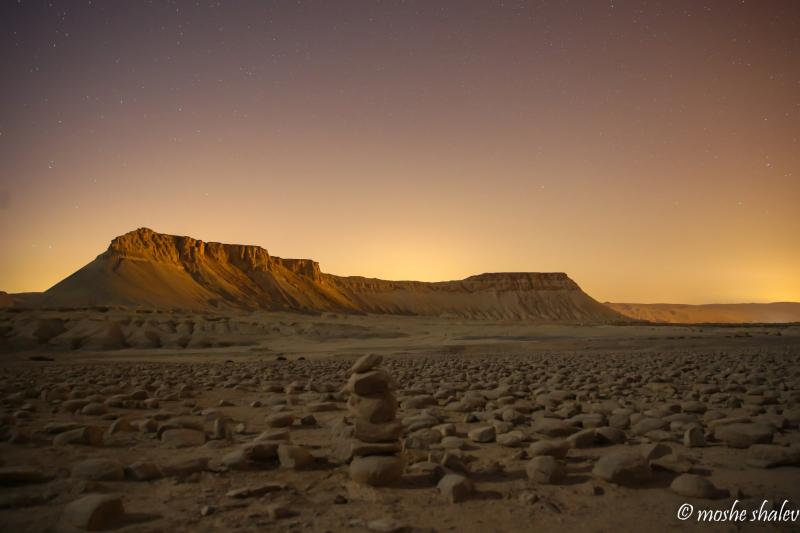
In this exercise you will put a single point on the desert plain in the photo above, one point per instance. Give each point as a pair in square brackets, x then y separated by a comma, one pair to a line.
[240, 428]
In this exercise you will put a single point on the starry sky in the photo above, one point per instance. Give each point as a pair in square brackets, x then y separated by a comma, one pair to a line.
[649, 149]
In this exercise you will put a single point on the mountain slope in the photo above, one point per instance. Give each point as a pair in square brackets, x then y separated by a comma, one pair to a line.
[145, 268]
[711, 313]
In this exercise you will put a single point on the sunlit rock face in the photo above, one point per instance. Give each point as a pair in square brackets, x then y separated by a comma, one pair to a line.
[146, 268]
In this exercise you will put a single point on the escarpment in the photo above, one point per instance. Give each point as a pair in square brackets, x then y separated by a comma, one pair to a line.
[146, 268]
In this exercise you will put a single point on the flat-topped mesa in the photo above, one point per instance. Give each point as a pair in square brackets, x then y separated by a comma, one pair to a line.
[497, 281]
[150, 269]
[536, 281]
[148, 245]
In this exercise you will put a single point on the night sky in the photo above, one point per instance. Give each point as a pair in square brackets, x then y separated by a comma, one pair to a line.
[648, 149]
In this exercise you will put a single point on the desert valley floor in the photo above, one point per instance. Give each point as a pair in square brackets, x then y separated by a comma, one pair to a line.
[210, 423]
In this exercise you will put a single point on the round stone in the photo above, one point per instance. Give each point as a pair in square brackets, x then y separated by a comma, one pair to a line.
[482, 434]
[367, 362]
[555, 448]
[94, 512]
[693, 486]
[376, 470]
[372, 382]
[545, 469]
[623, 468]
[374, 408]
[455, 488]
[99, 470]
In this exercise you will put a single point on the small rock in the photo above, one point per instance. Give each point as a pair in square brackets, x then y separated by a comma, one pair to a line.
[555, 448]
[142, 471]
[255, 491]
[185, 467]
[482, 434]
[771, 455]
[94, 409]
[693, 486]
[512, 439]
[585, 438]
[387, 525]
[371, 382]
[95, 512]
[365, 363]
[651, 452]
[376, 470]
[19, 475]
[280, 420]
[553, 427]
[277, 511]
[374, 408]
[545, 469]
[368, 432]
[646, 425]
[87, 435]
[676, 463]
[98, 470]
[455, 488]
[610, 435]
[743, 435]
[220, 430]
[183, 438]
[623, 468]
[694, 437]
[295, 457]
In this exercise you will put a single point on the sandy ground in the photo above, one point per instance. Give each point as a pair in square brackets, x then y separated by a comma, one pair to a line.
[279, 363]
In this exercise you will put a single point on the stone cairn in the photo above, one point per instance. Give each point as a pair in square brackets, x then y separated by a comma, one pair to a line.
[375, 441]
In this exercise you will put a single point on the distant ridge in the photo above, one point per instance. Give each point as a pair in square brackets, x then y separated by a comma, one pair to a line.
[772, 313]
[148, 269]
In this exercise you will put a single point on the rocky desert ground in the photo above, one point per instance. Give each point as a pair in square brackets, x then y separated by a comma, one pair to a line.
[290, 422]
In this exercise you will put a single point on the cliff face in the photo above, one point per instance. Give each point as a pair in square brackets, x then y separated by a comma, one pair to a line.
[146, 245]
[145, 268]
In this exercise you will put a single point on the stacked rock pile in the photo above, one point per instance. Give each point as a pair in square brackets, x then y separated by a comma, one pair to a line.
[376, 434]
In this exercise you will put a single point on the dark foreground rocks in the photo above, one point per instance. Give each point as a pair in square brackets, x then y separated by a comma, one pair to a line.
[330, 444]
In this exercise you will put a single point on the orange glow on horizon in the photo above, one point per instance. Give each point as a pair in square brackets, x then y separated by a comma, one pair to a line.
[651, 156]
